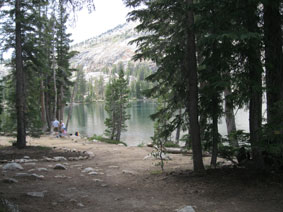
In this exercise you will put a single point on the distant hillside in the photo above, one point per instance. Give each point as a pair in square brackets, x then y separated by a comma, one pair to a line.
[106, 49]
[99, 59]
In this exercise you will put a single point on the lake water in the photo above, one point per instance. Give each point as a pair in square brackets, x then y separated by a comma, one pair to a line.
[88, 119]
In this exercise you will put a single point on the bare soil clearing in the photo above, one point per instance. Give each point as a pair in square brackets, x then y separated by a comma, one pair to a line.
[122, 180]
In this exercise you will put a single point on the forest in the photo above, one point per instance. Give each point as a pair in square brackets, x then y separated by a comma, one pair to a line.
[212, 57]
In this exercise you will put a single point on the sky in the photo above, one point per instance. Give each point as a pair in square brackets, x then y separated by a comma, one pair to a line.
[107, 15]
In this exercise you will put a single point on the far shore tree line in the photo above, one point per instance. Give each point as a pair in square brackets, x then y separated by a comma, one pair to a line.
[212, 57]
[91, 89]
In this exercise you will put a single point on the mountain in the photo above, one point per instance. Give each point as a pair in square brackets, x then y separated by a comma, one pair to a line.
[105, 50]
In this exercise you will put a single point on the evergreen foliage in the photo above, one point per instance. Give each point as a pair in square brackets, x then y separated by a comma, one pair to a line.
[39, 64]
[117, 101]
[230, 36]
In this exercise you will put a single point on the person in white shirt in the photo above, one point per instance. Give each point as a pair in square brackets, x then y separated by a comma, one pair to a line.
[55, 125]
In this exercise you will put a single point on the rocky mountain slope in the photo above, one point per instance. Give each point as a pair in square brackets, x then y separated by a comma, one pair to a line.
[106, 49]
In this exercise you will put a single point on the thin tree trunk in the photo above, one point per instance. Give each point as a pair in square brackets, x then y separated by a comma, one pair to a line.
[20, 82]
[178, 131]
[230, 118]
[273, 61]
[71, 105]
[55, 115]
[215, 134]
[191, 69]
[43, 109]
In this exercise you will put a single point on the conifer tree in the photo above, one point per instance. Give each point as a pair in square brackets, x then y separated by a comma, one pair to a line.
[117, 101]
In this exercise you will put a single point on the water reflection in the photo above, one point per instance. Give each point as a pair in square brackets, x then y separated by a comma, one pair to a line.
[88, 119]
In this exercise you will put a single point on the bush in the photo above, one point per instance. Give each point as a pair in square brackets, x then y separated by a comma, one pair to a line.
[106, 140]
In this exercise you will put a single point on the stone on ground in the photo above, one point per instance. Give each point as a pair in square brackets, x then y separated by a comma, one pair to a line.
[188, 208]
[12, 166]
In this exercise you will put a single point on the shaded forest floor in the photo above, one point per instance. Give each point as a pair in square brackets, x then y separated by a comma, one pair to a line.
[125, 179]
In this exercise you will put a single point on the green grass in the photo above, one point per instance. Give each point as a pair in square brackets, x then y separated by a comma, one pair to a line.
[106, 140]
[171, 144]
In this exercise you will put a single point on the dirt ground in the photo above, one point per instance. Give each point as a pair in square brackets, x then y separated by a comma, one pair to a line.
[124, 179]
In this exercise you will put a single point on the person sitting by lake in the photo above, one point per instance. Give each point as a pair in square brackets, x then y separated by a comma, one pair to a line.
[62, 128]
[55, 125]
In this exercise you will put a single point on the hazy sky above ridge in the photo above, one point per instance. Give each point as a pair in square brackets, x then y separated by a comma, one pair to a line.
[107, 15]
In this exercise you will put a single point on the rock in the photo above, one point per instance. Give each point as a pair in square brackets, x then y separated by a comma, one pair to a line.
[90, 154]
[187, 209]
[26, 157]
[87, 170]
[10, 180]
[113, 167]
[12, 166]
[104, 185]
[37, 176]
[93, 173]
[42, 169]
[78, 165]
[80, 204]
[48, 159]
[22, 175]
[31, 170]
[129, 172]
[36, 194]
[59, 158]
[60, 166]
[60, 176]
[97, 180]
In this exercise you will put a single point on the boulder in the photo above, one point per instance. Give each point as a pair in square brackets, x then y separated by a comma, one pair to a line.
[59, 158]
[12, 166]
[87, 170]
[42, 169]
[60, 167]
[10, 180]
[36, 194]
[186, 209]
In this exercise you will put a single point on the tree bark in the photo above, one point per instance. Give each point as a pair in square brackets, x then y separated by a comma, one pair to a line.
[20, 82]
[43, 109]
[71, 105]
[255, 71]
[273, 61]
[191, 69]
[230, 118]
[55, 115]
[215, 134]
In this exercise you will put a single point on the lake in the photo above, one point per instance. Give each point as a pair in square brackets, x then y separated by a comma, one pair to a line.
[88, 119]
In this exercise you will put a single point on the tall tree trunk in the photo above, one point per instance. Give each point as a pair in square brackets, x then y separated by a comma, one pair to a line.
[20, 82]
[191, 69]
[48, 109]
[273, 61]
[43, 109]
[71, 105]
[61, 104]
[255, 70]
[55, 115]
[215, 134]
[230, 118]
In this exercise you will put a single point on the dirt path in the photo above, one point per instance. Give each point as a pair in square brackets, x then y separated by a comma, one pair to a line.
[122, 180]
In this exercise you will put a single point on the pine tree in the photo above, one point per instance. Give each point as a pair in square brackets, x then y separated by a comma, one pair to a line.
[117, 101]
